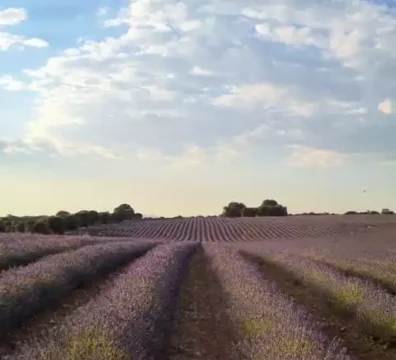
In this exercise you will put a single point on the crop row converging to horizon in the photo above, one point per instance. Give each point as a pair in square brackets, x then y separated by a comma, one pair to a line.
[65, 222]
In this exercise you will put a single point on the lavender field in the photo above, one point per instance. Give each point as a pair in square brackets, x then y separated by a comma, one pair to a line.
[314, 288]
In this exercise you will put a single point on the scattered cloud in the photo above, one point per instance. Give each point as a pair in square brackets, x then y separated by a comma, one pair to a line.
[102, 11]
[385, 106]
[265, 95]
[220, 76]
[303, 156]
[196, 70]
[191, 156]
[48, 148]
[7, 82]
[14, 16]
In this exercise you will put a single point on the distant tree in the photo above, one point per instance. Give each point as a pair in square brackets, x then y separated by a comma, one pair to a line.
[29, 224]
[249, 212]
[123, 212]
[233, 209]
[2, 226]
[40, 227]
[9, 226]
[269, 202]
[70, 223]
[271, 208]
[263, 210]
[138, 216]
[83, 218]
[21, 227]
[115, 218]
[104, 217]
[62, 214]
[93, 217]
[123, 208]
[387, 212]
[278, 210]
[351, 212]
[55, 224]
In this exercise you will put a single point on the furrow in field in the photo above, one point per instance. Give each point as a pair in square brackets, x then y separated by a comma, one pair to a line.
[202, 329]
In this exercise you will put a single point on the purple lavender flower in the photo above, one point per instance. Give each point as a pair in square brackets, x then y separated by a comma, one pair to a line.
[28, 289]
[271, 325]
[128, 320]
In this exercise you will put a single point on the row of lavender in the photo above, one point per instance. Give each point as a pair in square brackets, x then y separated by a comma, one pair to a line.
[22, 249]
[17, 250]
[28, 289]
[131, 317]
[128, 320]
[270, 325]
[213, 229]
[363, 288]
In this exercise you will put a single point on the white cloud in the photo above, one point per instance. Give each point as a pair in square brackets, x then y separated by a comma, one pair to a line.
[196, 70]
[265, 95]
[12, 16]
[385, 106]
[7, 82]
[191, 156]
[102, 11]
[303, 156]
[53, 148]
[8, 40]
[356, 33]
[246, 95]
[219, 75]
[160, 94]
[290, 34]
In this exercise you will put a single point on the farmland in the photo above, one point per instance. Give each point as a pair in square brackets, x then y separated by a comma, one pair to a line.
[301, 287]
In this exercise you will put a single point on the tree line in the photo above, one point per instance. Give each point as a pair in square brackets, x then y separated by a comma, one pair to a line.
[268, 207]
[64, 221]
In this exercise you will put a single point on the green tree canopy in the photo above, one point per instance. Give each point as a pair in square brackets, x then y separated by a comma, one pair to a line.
[233, 209]
[40, 227]
[123, 208]
[62, 213]
[56, 225]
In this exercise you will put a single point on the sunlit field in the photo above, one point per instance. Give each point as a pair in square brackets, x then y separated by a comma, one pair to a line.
[300, 287]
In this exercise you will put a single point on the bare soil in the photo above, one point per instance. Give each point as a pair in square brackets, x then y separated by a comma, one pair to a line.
[202, 329]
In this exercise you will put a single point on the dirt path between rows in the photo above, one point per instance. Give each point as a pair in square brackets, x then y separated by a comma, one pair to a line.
[202, 329]
[333, 323]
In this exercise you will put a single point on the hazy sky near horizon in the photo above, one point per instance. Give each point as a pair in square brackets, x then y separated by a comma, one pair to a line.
[178, 107]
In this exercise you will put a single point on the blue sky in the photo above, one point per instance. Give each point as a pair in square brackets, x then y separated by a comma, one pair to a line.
[180, 107]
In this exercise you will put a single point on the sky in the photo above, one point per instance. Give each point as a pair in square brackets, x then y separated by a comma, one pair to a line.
[179, 107]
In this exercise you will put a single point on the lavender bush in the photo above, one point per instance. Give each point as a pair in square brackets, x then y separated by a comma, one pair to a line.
[382, 272]
[374, 307]
[128, 320]
[272, 326]
[28, 289]
[18, 250]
